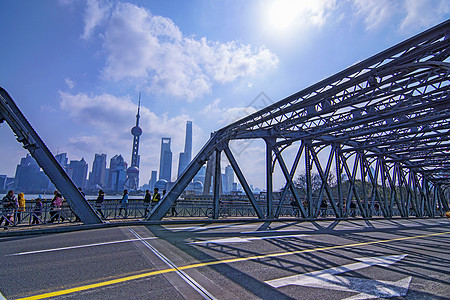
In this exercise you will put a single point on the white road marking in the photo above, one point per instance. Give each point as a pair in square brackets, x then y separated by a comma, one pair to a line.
[367, 288]
[189, 280]
[197, 228]
[246, 240]
[2, 297]
[267, 231]
[77, 247]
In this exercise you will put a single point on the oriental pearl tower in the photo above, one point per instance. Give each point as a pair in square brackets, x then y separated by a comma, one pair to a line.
[132, 181]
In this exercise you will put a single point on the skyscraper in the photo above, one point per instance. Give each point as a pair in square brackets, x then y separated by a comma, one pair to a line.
[229, 174]
[186, 156]
[98, 176]
[132, 181]
[77, 170]
[165, 160]
[62, 160]
[152, 181]
[26, 174]
[117, 173]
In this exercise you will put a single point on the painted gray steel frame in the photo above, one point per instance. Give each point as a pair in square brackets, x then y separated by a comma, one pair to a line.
[389, 113]
[26, 135]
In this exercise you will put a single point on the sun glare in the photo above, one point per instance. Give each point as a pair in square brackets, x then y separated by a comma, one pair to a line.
[282, 13]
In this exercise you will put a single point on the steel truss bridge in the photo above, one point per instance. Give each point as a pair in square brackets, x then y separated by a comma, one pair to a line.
[383, 125]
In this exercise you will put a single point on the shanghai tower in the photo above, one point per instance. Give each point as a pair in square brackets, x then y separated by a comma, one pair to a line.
[132, 181]
[186, 156]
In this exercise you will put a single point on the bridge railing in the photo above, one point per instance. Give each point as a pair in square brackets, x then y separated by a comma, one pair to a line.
[137, 209]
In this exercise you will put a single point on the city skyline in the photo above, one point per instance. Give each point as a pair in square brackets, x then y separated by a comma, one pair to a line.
[188, 66]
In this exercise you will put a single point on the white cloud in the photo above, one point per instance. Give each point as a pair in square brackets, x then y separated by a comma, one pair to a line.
[283, 15]
[410, 14]
[226, 115]
[110, 119]
[152, 51]
[96, 12]
[376, 13]
[423, 13]
[69, 83]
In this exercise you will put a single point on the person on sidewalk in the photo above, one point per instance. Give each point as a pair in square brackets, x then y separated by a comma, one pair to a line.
[124, 204]
[99, 203]
[7, 209]
[21, 208]
[156, 197]
[37, 211]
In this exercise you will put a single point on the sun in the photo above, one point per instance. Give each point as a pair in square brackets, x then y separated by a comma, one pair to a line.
[283, 13]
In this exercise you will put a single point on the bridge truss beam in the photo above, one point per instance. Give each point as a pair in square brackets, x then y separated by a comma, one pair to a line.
[383, 124]
[31, 141]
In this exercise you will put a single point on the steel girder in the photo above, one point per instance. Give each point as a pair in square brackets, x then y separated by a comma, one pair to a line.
[384, 124]
[31, 141]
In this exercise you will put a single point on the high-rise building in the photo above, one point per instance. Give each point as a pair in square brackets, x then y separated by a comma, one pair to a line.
[77, 171]
[229, 174]
[62, 160]
[117, 173]
[165, 160]
[152, 180]
[26, 174]
[98, 175]
[132, 181]
[3, 182]
[186, 156]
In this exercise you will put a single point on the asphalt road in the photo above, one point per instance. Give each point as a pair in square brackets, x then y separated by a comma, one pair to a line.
[402, 259]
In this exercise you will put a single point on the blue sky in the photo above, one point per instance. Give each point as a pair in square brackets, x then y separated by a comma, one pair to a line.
[75, 68]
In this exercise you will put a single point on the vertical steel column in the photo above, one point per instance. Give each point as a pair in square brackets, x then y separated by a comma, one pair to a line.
[289, 182]
[421, 197]
[367, 213]
[388, 211]
[343, 212]
[412, 184]
[243, 182]
[217, 181]
[269, 177]
[324, 185]
[352, 187]
[308, 179]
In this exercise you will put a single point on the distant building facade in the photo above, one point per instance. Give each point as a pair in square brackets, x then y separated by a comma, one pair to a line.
[62, 160]
[229, 175]
[98, 175]
[152, 181]
[29, 177]
[77, 171]
[117, 174]
[165, 160]
[186, 156]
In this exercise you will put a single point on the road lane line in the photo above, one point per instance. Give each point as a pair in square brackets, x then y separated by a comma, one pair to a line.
[77, 247]
[189, 280]
[247, 239]
[217, 262]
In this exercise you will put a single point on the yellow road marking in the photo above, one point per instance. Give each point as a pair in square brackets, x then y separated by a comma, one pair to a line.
[217, 262]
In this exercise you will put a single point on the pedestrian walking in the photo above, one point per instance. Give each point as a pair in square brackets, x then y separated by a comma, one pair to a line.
[55, 207]
[99, 203]
[174, 212]
[156, 197]
[37, 211]
[7, 209]
[21, 208]
[147, 200]
[124, 204]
